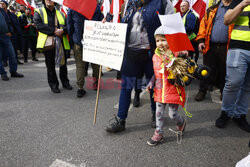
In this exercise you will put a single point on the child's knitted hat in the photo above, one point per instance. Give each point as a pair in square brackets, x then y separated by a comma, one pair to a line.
[159, 31]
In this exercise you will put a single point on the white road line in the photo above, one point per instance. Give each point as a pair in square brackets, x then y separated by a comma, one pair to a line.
[60, 163]
[131, 105]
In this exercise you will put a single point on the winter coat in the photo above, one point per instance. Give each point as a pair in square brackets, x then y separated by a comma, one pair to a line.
[75, 24]
[3, 25]
[27, 30]
[206, 26]
[164, 92]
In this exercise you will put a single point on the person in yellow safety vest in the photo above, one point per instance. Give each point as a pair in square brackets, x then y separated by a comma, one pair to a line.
[22, 9]
[237, 88]
[44, 19]
[190, 20]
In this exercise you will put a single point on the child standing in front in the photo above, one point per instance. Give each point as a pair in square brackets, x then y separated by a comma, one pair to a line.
[165, 92]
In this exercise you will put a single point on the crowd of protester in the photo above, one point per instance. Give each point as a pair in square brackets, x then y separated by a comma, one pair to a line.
[145, 42]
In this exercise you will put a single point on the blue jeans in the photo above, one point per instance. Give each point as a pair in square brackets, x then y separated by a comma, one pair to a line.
[237, 88]
[128, 84]
[6, 48]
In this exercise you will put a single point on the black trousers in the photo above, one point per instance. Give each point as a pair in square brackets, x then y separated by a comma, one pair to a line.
[51, 71]
[29, 41]
[215, 58]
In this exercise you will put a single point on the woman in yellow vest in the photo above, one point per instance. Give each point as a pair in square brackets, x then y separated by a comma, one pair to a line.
[237, 88]
[44, 19]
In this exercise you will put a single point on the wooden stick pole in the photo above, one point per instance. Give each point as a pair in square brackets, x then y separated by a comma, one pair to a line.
[97, 96]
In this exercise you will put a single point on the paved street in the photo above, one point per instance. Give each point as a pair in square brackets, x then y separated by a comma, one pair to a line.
[41, 129]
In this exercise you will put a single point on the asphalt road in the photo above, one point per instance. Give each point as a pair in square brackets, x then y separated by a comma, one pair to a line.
[42, 129]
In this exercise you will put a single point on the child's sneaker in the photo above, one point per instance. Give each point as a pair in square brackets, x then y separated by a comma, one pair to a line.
[156, 139]
[181, 128]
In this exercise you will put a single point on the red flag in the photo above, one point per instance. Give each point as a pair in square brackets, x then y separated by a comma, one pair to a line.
[21, 2]
[175, 32]
[200, 8]
[85, 7]
[177, 6]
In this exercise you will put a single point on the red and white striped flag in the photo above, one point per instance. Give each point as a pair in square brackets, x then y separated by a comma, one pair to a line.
[21, 2]
[175, 32]
[115, 9]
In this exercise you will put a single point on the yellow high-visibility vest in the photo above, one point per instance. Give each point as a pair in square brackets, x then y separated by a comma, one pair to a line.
[184, 19]
[43, 37]
[241, 30]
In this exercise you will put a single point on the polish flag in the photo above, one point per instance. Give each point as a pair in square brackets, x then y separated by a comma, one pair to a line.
[85, 7]
[175, 32]
[21, 2]
[200, 7]
[105, 7]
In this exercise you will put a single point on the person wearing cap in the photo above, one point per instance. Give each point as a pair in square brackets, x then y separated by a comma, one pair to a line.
[45, 22]
[165, 92]
[6, 46]
[142, 19]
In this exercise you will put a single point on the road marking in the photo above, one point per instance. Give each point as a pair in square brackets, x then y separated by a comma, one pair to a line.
[132, 94]
[60, 163]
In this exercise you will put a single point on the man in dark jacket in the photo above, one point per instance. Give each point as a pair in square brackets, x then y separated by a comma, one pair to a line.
[6, 46]
[190, 21]
[48, 28]
[29, 34]
[75, 25]
[17, 33]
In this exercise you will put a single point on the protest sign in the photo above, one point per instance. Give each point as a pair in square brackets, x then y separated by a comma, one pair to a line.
[104, 43]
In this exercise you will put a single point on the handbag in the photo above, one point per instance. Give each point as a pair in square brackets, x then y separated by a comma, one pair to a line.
[50, 43]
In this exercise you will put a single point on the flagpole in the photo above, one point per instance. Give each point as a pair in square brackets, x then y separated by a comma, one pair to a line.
[97, 96]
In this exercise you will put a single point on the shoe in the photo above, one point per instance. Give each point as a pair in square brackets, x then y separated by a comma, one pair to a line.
[222, 121]
[16, 75]
[136, 102]
[5, 77]
[35, 59]
[156, 139]
[55, 90]
[18, 62]
[200, 96]
[81, 93]
[117, 126]
[182, 127]
[25, 61]
[67, 86]
[242, 123]
[153, 120]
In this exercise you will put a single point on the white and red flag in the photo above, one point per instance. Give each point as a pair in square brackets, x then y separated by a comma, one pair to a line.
[177, 6]
[22, 2]
[115, 9]
[59, 1]
[85, 7]
[105, 7]
[33, 4]
[175, 32]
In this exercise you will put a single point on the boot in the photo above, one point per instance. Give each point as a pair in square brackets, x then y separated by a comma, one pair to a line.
[136, 102]
[117, 126]
[242, 123]
[200, 96]
[222, 121]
